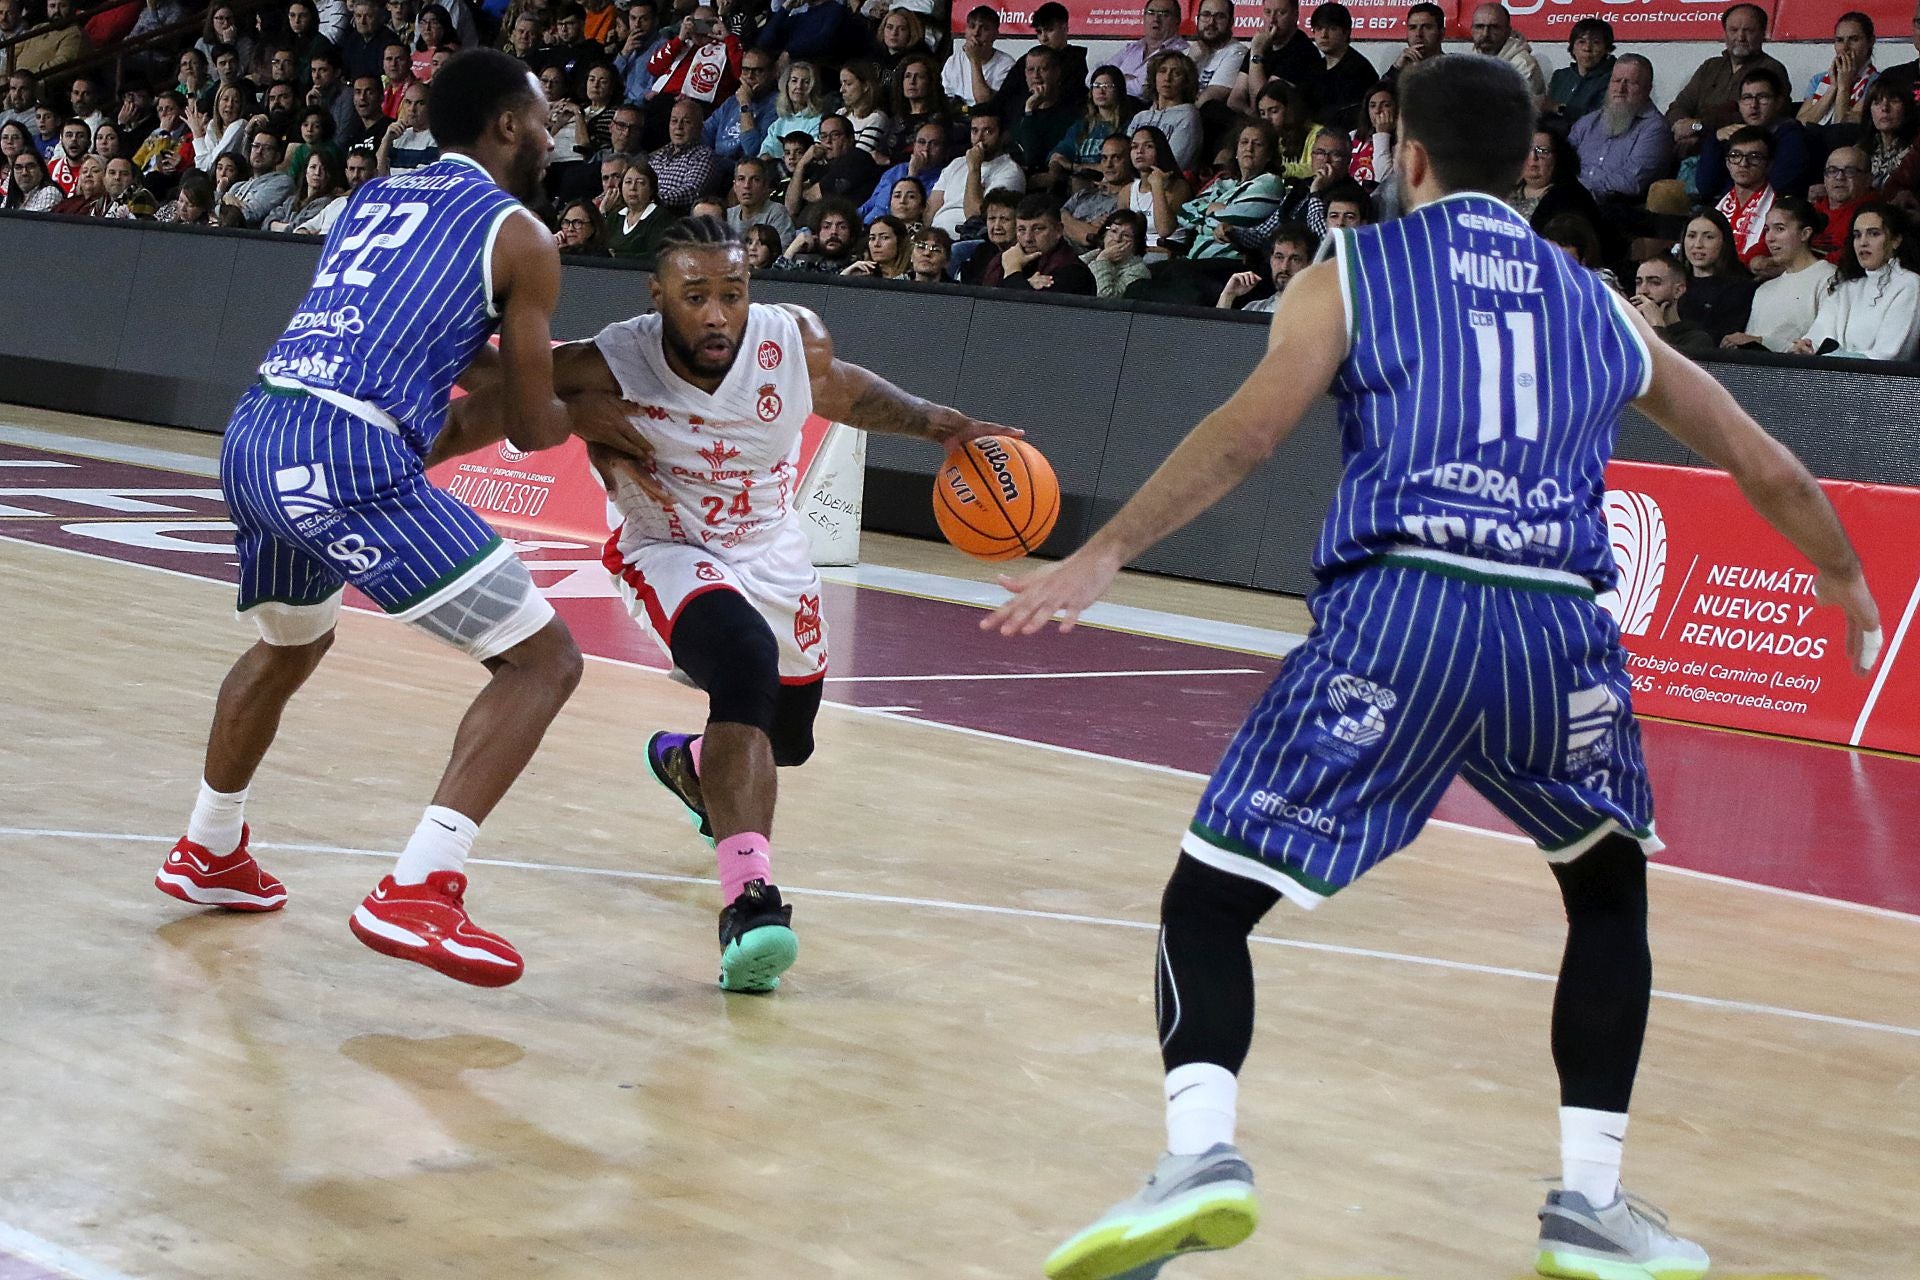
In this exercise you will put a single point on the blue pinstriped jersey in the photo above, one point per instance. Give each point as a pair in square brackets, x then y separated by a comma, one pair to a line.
[400, 303]
[1479, 398]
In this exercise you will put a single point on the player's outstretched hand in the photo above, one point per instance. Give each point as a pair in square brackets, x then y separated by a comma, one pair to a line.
[960, 428]
[1863, 617]
[1062, 591]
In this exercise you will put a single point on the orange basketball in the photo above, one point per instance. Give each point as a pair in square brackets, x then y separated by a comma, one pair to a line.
[996, 498]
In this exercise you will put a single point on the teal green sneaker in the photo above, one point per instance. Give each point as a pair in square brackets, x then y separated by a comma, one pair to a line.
[757, 943]
[1191, 1204]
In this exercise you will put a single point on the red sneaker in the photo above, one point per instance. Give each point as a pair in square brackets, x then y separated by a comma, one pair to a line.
[428, 923]
[234, 880]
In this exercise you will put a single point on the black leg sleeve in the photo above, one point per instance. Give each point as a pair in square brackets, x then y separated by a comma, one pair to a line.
[1606, 975]
[1203, 975]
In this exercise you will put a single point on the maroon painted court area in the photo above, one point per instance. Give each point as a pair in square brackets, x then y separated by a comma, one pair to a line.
[1794, 816]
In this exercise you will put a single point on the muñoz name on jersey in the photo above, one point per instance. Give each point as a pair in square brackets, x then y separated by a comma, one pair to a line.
[1480, 394]
[729, 461]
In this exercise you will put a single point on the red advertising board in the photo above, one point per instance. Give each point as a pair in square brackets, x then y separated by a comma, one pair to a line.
[554, 491]
[1547, 23]
[1719, 619]
[1121, 19]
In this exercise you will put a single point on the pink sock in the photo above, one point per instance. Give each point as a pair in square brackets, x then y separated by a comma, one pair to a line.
[693, 748]
[742, 858]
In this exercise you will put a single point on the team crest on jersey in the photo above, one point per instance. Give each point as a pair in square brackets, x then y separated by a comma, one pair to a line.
[707, 571]
[1362, 706]
[510, 454]
[769, 354]
[719, 453]
[806, 622]
[769, 404]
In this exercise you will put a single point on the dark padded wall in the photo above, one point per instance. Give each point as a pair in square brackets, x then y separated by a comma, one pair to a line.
[167, 325]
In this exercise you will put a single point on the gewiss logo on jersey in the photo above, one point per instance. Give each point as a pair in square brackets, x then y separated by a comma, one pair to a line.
[1362, 706]
[1638, 531]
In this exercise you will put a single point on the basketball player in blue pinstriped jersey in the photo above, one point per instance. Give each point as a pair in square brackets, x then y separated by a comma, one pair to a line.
[1479, 376]
[323, 469]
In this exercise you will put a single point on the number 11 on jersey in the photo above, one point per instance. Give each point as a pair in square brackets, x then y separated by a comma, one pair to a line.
[1493, 373]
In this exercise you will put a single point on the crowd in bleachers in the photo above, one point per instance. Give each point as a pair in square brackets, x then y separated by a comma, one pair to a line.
[869, 139]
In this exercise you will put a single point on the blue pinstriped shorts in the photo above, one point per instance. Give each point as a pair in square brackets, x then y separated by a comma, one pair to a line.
[319, 497]
[1413, 676]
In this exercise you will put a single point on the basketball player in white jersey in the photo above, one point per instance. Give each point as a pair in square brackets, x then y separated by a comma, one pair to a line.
[709, 552]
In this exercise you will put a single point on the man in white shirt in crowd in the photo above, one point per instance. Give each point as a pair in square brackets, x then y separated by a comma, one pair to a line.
[1219, 56]
[976, 68]
[408, 143]
[965, 182]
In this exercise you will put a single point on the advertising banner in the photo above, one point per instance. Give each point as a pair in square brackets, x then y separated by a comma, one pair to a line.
[1719, 619]
[1547, 23]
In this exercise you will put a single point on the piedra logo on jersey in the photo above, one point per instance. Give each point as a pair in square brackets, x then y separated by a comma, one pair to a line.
[1363, 707]
[769, 404]
[769, 356]
[1638, 532]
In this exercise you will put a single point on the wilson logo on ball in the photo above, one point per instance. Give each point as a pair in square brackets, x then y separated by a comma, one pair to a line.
[1003, 475]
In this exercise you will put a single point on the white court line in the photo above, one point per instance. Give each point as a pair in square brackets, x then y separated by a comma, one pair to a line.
[106, 450]
[1022, 913]
[898, 714]
[1117, 617]
[45, 1253]
[1886, 665]
[1050, 675]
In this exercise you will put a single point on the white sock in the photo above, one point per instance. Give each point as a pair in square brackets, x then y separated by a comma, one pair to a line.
[217, 818]
[1590, 1145]
[441, 842]
[1201, 1098]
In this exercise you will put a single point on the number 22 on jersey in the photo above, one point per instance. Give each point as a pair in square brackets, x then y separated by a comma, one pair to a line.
[405, 219]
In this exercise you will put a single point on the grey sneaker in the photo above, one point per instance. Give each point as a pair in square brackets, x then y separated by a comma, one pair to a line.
[1626, 1240]
[1189, 1205]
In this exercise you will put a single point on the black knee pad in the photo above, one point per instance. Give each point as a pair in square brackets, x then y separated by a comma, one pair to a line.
[1206, 897]
[1609, 878]
[792, 733]
[729, 651]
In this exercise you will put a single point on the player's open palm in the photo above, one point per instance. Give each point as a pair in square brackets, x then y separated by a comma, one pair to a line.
[1863, 617]
[1062, 591]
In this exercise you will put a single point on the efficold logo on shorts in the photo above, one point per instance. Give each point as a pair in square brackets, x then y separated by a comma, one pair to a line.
[1363, 707]
[1275, 805]
[1638, 532]
[303, 490]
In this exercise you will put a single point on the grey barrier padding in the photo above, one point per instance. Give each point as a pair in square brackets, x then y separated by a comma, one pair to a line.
[167, 325]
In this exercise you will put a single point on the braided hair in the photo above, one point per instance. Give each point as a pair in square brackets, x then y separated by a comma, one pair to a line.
[704, 232]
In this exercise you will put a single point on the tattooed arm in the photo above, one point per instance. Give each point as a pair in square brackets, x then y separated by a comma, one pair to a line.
[860, 398]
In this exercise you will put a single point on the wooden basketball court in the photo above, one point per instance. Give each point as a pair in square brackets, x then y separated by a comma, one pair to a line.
[960, 1070]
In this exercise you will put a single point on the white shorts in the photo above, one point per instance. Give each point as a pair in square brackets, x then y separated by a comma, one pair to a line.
[657, 579]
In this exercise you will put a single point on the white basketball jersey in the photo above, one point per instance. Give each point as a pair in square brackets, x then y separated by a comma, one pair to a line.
[728, 461]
